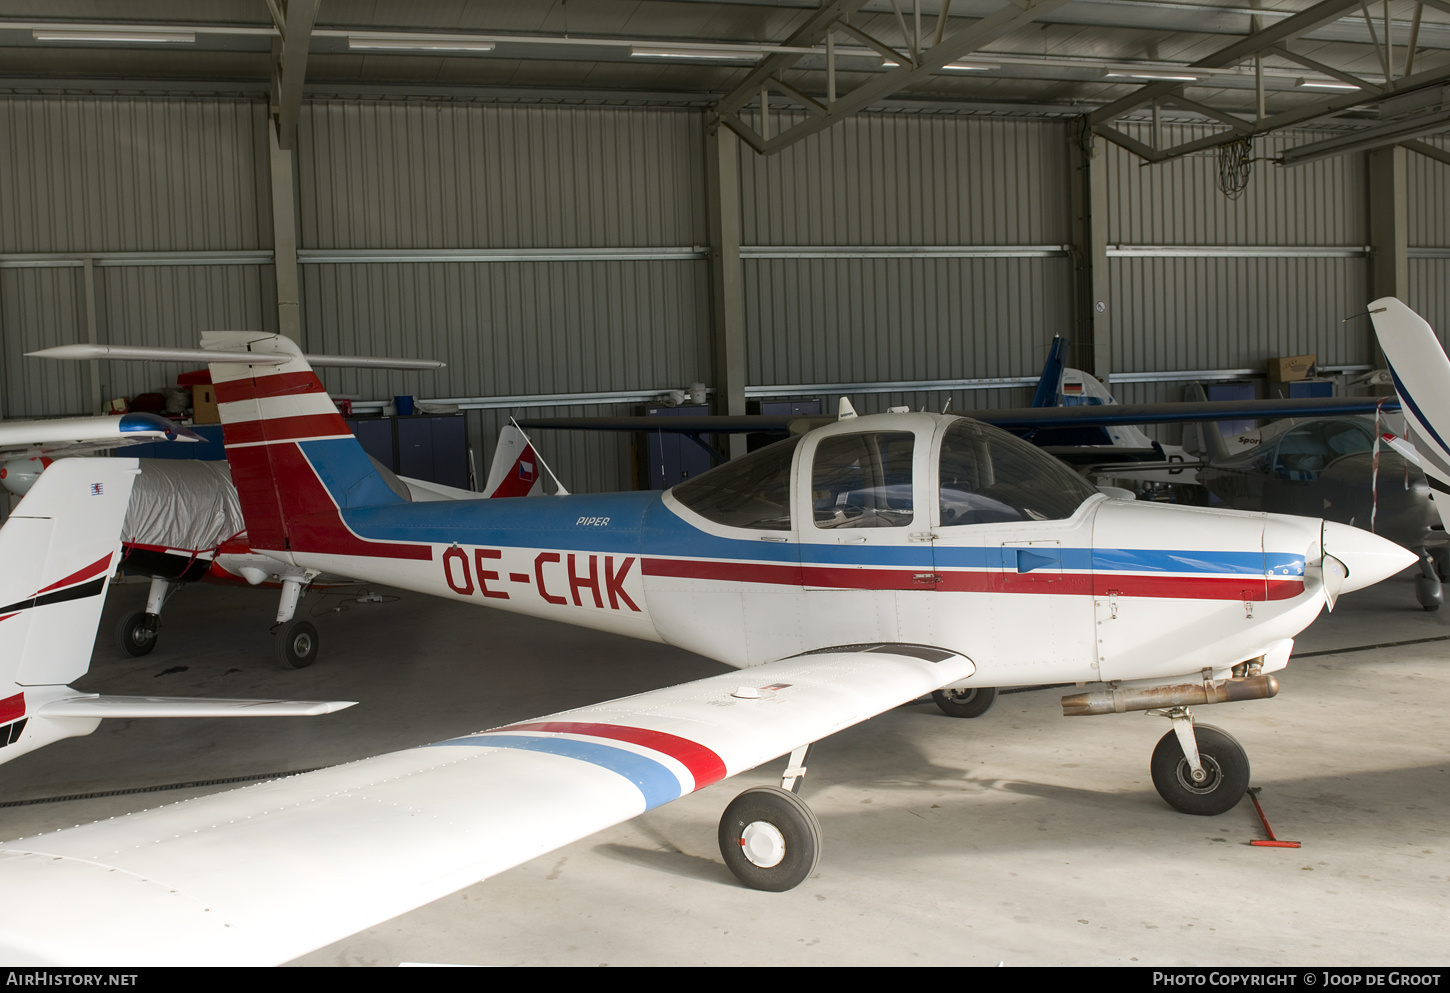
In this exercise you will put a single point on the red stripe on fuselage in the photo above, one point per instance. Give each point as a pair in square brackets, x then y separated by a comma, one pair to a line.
[89, 572]
[706, 766]
[980, 581]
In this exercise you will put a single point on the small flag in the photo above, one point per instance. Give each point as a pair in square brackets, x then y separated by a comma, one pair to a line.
[95, 489]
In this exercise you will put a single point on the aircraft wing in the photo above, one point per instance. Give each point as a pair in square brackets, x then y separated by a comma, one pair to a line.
[1010, 418]
[76, 435]
[263, 874]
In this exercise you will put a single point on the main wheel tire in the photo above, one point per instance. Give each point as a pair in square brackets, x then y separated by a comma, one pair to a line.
[972, 702]
[296, 644]
[136, 634]
[770, 839]
[1223, 759]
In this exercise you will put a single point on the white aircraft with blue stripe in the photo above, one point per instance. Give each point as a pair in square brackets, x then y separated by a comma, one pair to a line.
[843, 572]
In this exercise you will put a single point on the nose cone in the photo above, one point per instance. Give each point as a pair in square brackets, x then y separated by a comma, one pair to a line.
[1368, 557]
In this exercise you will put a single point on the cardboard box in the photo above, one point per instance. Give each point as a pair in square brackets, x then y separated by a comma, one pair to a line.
[1291, 368]
[203, 405]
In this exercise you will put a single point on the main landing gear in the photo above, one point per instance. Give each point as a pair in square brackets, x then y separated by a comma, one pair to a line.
[972, 702]
[769, 838]
[136, 634]
[294, 643]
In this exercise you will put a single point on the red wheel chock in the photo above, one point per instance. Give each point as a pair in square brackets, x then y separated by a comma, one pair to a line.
[1272, 842]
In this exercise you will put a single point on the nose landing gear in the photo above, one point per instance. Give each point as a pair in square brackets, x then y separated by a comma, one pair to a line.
[1199, 769]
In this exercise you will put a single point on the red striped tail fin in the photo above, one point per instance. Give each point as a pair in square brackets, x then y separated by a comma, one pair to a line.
[295, 462]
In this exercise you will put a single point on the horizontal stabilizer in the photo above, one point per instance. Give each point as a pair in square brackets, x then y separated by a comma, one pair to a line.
[174, 706]
[142, 353]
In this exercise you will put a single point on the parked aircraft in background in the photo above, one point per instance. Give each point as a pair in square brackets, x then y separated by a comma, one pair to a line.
[847, 571]
[1421, 374]
[185, 525]
[59, 548]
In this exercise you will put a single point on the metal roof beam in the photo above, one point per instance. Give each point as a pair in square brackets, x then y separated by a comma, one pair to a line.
[1324, 12]
[1009, 17]
[290, 68]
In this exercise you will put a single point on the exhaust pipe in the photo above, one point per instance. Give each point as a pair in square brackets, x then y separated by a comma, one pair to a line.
[1121, 699]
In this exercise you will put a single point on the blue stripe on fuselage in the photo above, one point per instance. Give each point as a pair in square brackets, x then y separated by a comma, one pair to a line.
[640, 524]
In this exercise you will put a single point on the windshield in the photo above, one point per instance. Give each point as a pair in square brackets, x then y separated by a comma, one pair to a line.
[989, 476]
[752, 491]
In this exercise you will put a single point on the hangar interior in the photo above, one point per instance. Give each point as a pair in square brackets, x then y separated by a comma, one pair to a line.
[581, 206]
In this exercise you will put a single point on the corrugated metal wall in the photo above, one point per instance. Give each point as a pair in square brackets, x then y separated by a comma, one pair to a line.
[840, 315]
[1300, 271]
[397, 179]
[114, 177]
[897, 248]
[1428, 181]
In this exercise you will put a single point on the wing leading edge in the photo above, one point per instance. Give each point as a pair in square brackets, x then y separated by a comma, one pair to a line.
[263, 874]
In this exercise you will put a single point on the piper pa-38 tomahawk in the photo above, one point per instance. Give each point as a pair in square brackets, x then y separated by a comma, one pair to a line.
[845, 571]
[58, 549]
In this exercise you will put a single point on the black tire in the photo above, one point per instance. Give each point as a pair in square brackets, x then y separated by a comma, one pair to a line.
[1222, 758]
[136, 634]
[972, 702]
[770, 839]
[296, 644]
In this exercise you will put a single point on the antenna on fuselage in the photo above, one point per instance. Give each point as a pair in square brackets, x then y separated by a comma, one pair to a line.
[528, 441]
[844, 410]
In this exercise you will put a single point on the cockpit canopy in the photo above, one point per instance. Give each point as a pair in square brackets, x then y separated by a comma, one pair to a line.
[867, 479]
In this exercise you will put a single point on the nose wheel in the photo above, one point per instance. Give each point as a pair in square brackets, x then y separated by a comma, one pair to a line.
[1206, 774]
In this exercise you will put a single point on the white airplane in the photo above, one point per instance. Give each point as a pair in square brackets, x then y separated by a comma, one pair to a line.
[845, 571]
[59, 548]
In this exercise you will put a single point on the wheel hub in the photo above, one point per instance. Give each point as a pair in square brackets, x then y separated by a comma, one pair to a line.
[1211, 775]
[763, 844]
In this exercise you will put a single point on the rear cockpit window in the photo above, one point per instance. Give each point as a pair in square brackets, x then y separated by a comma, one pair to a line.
[989, 476]
[752, 491]
[863, 481]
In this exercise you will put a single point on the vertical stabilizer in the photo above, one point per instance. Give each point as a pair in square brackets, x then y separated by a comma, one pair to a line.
[1046, 393]
[59, 548]
[1421, 373]
[297, 467]
[514, 471]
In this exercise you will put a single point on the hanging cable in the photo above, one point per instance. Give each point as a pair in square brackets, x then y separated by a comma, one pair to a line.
[1235, 164]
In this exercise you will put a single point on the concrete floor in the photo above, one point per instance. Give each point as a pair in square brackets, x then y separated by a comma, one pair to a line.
[1021, 838]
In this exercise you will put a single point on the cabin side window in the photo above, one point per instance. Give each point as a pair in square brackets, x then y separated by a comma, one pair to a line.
[863, 480]
[988, 476]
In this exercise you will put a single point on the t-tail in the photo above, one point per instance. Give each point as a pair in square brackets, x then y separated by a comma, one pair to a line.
[1421, 373]
[297, 466]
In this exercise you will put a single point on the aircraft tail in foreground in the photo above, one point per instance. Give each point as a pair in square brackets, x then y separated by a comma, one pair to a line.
[60, 548]
[1421, 373]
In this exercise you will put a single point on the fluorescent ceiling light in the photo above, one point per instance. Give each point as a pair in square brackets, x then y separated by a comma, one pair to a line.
[122, 37]
[721, 54]
[1148, 74]
[422, 43]
[959, 66]
[1323, 84]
